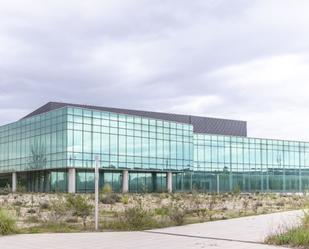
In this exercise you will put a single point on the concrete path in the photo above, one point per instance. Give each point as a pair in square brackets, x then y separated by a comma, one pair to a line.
[240, 233]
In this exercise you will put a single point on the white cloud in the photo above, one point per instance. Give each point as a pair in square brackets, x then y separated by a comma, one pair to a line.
[275, 90]
[195, 105]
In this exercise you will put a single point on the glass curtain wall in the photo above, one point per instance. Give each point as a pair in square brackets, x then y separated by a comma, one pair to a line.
[227, 163]
[127, 142]
[34, 143]
[45, 145]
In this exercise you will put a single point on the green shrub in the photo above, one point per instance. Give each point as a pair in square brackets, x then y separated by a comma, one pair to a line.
[71, 220]
[33, 219]
[177, 215]
[58, 210]
[203, 213]
[107, 189]
[7, 223]
[137, 219]
[125, 199]
[5, 190]
[80, 206]
[110, 198]
[162, 211]
[236, 190]
[44, 205]
[21, 189]
[132, 219]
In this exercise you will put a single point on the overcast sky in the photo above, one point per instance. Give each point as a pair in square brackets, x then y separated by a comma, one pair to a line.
[239, 59]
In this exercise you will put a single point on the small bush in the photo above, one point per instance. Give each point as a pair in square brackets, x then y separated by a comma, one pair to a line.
[7, 223]
[71, 220]
[177, 215]
[80, 206]
[31, 211]
[21, 189]
[111, 199]
[259, 204]
[17, 203]
[280, 204]
[132, 219]
[33, 219]
[245, 205]
[5, 190]
[107, 189]
[236, 190]
[137, 219]
[125, 199]
[18, 211]
[58, 209]
[162, 211]
[108, 200]
[44, 205]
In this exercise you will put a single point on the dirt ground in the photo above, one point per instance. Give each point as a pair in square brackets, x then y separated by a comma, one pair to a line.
[36, 209]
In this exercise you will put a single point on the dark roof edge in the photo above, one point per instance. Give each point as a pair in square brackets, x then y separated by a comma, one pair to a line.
[201, 124]
[56, 105]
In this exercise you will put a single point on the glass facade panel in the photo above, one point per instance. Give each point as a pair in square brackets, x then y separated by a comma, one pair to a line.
[42, 148]
[250, 164]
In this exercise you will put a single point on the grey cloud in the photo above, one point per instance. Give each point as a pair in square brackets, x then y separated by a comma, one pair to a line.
[144, 54]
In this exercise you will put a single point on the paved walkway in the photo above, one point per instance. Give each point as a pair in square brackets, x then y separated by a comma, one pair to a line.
[240, 233]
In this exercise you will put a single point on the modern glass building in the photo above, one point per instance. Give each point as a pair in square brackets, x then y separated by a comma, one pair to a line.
[54, 149]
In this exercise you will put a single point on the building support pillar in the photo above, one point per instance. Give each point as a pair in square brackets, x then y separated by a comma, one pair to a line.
[169, 182]
[72, 180]
[14, 182]
[125, 181]
[154, 181]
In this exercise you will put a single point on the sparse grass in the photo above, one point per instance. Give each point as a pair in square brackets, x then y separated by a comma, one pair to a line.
[51, 227]
[65, 212]
[161, 211]
[133, 219]
[295, 237]
[32, 219]
[7, 223]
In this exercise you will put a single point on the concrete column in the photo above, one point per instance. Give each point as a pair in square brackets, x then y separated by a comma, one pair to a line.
[14, 182]
[72, 180]
[125, 181]
[154, 181]
[169, 182]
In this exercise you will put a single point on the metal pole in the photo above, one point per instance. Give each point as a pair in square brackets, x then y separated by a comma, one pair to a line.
[218, 184]
[96, 177]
